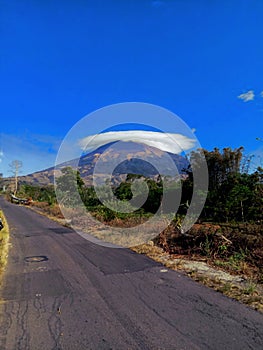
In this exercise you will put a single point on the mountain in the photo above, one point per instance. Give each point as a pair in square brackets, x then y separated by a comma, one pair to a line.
[122, 157]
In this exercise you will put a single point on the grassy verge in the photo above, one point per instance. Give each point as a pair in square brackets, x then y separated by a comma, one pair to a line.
[4, 243]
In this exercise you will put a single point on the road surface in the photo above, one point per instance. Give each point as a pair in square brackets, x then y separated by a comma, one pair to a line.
[78, 296]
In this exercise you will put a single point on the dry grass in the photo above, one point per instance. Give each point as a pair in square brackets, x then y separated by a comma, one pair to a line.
[45, 208]
[4, 243]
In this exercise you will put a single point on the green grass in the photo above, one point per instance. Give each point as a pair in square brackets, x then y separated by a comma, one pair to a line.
[4, 243]
[250, 288]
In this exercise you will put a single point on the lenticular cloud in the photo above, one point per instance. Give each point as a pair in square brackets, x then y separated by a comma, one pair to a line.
[167, 142]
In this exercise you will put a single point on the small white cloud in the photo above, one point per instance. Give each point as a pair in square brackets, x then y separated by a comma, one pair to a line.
[261, 94]
[247, 96]
[167, 142]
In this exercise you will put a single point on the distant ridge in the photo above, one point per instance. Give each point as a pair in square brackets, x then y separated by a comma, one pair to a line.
[138, 158]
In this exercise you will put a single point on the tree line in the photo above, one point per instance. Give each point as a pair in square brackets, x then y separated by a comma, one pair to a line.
[234, 195]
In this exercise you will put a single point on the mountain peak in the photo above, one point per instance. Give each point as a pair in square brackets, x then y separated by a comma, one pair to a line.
[124, 157]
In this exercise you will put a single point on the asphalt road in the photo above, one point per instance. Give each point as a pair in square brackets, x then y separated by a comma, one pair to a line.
[85, 296]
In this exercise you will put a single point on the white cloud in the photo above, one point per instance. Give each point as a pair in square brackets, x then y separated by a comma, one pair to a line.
[247, 96]
[261, 94]
[167, 142]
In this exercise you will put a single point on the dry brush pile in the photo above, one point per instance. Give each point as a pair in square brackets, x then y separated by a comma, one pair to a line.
[236, 247]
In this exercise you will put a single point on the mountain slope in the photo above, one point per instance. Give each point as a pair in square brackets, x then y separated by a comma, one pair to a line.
[128, 157]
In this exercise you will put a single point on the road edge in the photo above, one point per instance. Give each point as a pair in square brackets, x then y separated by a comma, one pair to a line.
[4, 244]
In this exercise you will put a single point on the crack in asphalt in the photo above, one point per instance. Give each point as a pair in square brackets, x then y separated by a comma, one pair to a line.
[23, 339]
[92, 297]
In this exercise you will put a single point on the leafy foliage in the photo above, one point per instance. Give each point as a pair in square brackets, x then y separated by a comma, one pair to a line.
[234, 195]
[70, 186]
[37, 193]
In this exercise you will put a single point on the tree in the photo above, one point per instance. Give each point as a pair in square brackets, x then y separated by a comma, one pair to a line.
[234, 193]
[70, 186]
[15, 166]
[39, 193]
[222, 164]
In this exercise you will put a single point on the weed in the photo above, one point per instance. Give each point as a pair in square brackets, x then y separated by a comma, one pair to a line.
[220, 263]
[222, 249]
[226, 288]
[206, 247]
[236, 260]
[239, 256]
[250, 288]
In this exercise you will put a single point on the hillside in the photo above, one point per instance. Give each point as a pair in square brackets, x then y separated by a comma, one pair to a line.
[136, 159]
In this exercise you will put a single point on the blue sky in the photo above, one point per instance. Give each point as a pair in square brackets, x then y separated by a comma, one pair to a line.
[63, 59]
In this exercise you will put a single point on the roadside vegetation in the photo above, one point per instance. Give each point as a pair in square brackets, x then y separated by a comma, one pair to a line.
[227, 237]
[4, 243]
